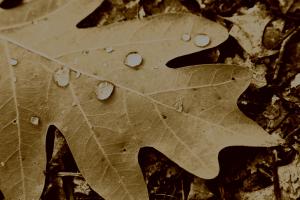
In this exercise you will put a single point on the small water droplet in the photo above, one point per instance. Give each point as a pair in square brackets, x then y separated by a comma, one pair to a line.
[179, 105]
[104, 90]
[186, 37]
[62, 77]
[14, 79]
[133, 60]
[201, 40]
[2, 164]
[109, 49]
[35, 120]
[13, 61]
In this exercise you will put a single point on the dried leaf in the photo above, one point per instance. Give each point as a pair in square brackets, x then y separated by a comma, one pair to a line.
[28, 11]
[154, 33]
[105, 136]
[248, 30]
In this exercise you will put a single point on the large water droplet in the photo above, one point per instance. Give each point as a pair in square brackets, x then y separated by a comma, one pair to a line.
[13, 61]
[62, 77]
[201, 40]
[35, 120]
[133, 60]
[104, 90]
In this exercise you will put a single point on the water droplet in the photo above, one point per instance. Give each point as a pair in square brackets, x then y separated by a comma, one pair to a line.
[2, 164]
[35, 120]
[201, 40]
[104, 90]
[109, 49]
[62, 77]
[133, 60]
[13, 61]
[14, 79]
[186, 37]
[179, 105]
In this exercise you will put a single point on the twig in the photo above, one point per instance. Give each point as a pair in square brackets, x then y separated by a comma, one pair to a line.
[74, 174]
[276, 183]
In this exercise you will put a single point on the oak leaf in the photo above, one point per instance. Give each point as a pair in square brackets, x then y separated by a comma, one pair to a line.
[189, 114]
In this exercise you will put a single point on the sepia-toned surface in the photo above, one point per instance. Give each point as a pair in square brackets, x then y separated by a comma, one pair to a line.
[108, 91]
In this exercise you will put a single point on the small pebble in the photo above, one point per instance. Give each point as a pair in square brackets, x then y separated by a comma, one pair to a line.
[62, 77]
[104, 90]
[13, 62]
[133, 60]
[201, 40]
[35, 120]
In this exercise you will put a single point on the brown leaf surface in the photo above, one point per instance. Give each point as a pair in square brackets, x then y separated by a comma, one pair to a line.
[28, 11]
[189, 114]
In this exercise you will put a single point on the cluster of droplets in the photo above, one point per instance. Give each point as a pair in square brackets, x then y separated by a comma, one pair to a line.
[105, 89]
[200, 40]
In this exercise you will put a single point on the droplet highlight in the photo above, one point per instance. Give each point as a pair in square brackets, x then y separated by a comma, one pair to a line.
[35, 120]
[2, 164]
[13, 61]
[133, 60]
[201, 40]
[186, 37]
[104, 90]
[62, 77]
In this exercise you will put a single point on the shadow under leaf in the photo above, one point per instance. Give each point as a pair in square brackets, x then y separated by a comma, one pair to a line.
[63, 179]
